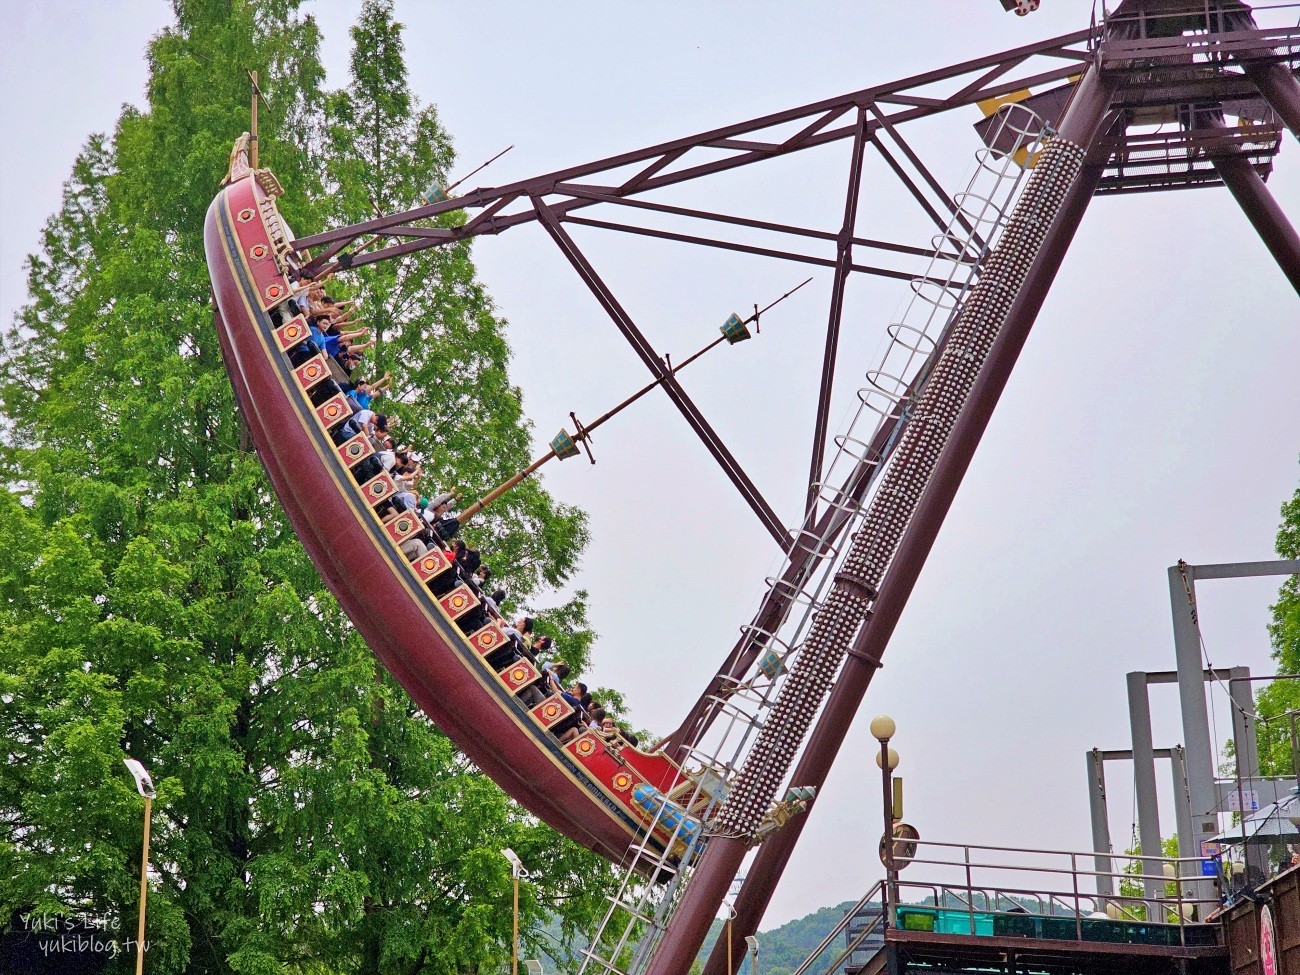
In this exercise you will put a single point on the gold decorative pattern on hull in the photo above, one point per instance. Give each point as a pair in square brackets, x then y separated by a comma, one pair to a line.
[333, 410]
[291, 334]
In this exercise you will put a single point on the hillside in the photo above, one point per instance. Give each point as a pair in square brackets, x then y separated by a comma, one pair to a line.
[780, 950]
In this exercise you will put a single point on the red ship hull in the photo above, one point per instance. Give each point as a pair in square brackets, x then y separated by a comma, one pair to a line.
[583, 789]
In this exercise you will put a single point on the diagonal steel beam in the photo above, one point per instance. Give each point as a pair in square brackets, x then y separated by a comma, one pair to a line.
[905, 178]
[1252, 195]
[843, 265]
[926, 175]
[667, 159]
[915, 101]
[862, 663]
[749, 145]
[993, 74]
[728, 245]
[816, 126]
[779, 228]
[486, 216]
[730, 466]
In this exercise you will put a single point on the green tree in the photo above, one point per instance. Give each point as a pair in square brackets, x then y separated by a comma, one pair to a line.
[156, 602]
[1278, 700]
[1131, 886]
[433, 322]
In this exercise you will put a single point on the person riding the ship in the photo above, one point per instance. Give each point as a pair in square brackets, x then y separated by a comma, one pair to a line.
[326, 320]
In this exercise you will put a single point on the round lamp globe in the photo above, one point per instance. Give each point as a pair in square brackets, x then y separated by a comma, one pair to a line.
[883, 727]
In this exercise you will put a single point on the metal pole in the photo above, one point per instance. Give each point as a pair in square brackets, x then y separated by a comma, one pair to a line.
[1182, 805]
[1144, 782]
[864, 659]
[144, 887]
[1097, 811]
[1200, 760]
[1265, 215]
[1242, 737]
[514, 929]
[1295, 746]
[1273, 79]
[970, 893]
[1279, 87]
[1074, 882]
[1243, 724]
[887, 844]
[1196, 725]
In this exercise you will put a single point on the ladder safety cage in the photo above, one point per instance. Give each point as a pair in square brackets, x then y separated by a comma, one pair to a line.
[639, 910]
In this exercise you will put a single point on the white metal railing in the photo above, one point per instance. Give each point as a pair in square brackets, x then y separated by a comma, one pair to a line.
[969, 883]
[983, 882]
[855, 940]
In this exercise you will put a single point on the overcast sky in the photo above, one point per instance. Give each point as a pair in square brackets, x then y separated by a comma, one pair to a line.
[1154, 415]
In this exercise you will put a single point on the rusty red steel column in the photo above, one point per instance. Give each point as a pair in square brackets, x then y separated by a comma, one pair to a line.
[988, 306]
[1281, 90]
[1273, 79]
[863, 661]
[1259, 205]
[843, 263]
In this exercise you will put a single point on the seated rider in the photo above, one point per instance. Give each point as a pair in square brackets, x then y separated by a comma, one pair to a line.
[331, 329]
[555, 673]
[575, 694]
[609, 728]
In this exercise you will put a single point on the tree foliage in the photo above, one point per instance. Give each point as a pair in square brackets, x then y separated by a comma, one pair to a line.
[156, 602]
[430, 316]
[1278, 700]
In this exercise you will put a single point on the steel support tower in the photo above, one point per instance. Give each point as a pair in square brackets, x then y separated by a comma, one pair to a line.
[1138, 102]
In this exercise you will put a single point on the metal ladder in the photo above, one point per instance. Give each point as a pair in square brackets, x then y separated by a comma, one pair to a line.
[640, 907]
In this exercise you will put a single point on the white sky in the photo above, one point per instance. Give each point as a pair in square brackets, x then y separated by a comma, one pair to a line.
[1152, 416]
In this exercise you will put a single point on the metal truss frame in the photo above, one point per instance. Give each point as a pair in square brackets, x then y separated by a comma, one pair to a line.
[869, 118]
[604, 194]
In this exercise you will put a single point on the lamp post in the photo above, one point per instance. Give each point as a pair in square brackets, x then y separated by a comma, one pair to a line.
[731, 916]
[517, 871]
[729, 905]
[753, 953]
[882, 729]
[144, 786]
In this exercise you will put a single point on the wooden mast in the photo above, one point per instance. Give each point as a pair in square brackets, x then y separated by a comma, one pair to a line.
[252, 122]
